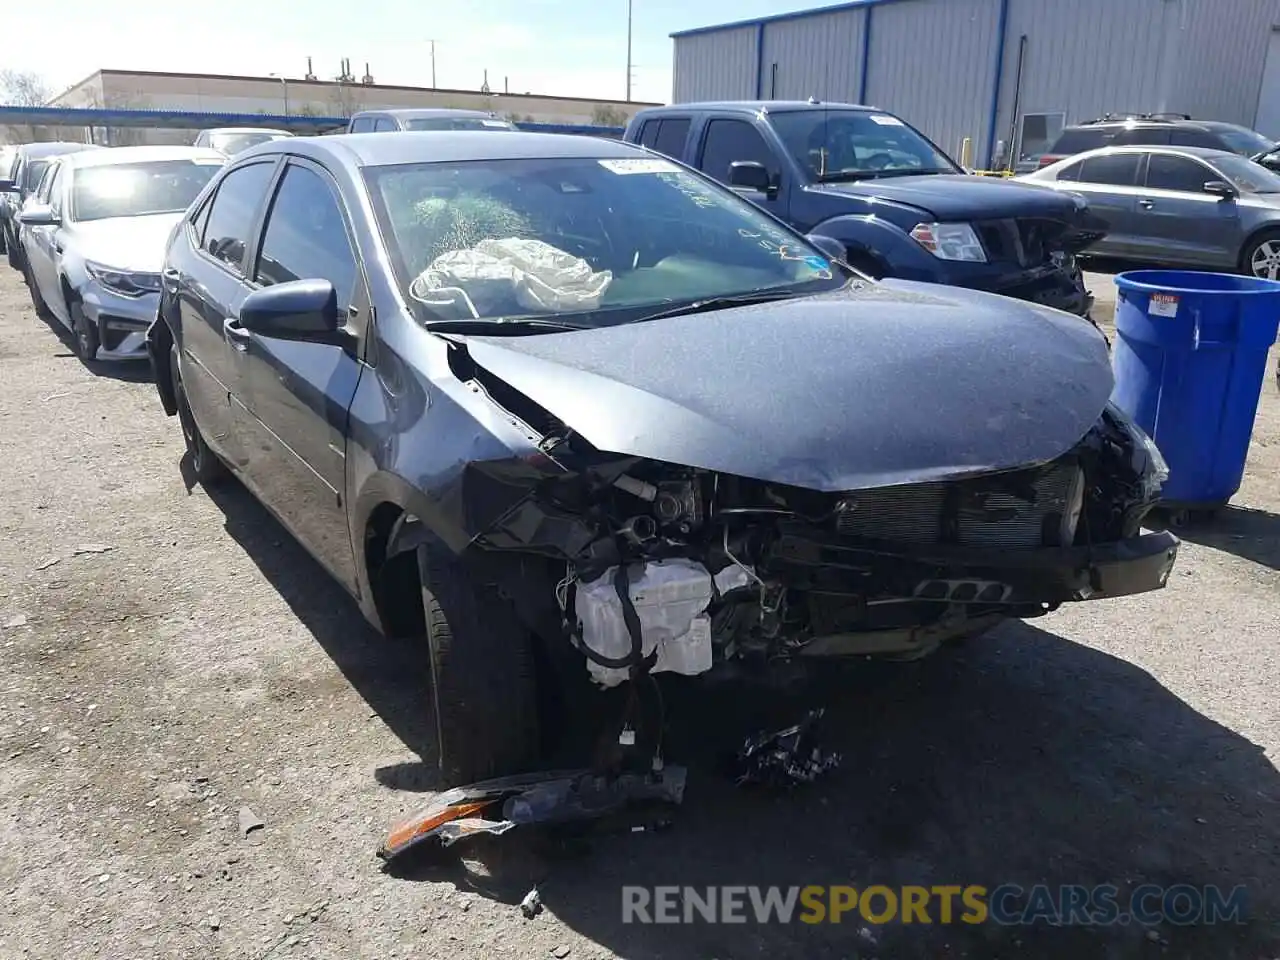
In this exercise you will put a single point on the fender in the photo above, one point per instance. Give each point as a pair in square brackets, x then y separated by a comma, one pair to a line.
[884, 242]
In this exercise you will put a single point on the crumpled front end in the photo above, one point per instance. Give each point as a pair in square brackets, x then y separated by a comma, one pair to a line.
[669, 568]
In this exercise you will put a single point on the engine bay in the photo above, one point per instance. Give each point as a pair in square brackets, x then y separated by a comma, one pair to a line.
[660, 567]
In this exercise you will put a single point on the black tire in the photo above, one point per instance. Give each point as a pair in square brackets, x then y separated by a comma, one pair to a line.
[11, 251]
[484, 687]
[37, 301]
[83, 332]
[205, 465]
[1252, 248]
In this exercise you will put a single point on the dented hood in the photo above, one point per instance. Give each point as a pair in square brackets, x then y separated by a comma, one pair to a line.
[889, 383]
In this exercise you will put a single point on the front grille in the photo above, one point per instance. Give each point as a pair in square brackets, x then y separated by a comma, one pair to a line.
[1020, 241]
[1017, 510]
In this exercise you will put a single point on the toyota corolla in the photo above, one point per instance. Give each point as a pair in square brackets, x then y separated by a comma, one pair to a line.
[539, 394]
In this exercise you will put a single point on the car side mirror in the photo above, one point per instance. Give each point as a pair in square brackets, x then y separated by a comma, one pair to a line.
[38, 215]
[1221, 189]
[832, 248]
[304, 310]
[750, 175]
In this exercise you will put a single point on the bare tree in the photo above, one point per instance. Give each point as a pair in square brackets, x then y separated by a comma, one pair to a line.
[607, 115]
[21, 89]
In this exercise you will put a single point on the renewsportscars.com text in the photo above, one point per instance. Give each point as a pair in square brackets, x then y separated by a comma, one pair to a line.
[1007, 904]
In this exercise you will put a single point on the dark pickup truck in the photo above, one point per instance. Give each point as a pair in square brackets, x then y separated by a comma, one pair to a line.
[897, 204]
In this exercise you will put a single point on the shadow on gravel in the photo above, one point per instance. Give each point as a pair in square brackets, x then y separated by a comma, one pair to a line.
[1251, 534]
[1021, 758]
[388, 674]
[129, 371]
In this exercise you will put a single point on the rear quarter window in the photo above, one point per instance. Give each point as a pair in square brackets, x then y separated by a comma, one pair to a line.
[1079, 140]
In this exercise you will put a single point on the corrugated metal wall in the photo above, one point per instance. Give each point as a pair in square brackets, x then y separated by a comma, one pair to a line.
[819, 56]
[715, 66]
[932, 62]
[1084, 58]
[1226, 40]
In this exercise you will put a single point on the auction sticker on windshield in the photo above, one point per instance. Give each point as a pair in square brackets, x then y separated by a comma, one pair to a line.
[885, 121]
[639, 165]
[1163, 305]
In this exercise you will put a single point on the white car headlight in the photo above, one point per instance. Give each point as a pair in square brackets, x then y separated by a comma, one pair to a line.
[950, 241]
[127, 283]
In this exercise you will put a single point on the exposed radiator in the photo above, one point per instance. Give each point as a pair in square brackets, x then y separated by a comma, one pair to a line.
[988, 512]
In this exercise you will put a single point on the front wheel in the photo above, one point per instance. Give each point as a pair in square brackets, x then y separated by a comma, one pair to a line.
[37, 300]
[205, 465]
[483, 673]
[1261, 257]
[84, 331]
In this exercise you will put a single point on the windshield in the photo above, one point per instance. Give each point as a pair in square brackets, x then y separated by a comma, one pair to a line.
[138, 189]
[233, 143]
[1247, 176]
[857, 144]
[606, 240]
[458, 123]
[1244, 141]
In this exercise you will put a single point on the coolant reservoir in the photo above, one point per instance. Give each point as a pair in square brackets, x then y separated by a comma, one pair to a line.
[670, 597]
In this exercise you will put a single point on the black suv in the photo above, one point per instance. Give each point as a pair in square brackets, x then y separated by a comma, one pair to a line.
[1156, 129]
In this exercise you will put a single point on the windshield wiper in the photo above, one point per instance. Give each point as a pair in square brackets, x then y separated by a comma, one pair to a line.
[498, 326]
[722, 303]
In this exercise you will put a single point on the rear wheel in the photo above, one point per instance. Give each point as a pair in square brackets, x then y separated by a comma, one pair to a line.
[1261, 256]
[37, 301]
[483, 673]
[205, 465]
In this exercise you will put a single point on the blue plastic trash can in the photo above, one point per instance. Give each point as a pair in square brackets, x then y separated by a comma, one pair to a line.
[1189, 360]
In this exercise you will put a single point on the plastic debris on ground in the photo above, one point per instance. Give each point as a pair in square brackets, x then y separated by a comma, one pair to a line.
[786, 757]
[494, 807]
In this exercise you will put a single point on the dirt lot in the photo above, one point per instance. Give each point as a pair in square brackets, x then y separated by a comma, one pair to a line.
[167, 657]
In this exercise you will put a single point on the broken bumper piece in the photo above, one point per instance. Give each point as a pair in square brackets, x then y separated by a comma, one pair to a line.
[495, 806]
[1050, 575]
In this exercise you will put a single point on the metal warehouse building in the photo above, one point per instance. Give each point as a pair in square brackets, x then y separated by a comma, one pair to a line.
[1008, 74]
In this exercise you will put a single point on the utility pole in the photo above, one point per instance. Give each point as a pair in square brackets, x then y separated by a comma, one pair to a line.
[628, 51]
[433, 63]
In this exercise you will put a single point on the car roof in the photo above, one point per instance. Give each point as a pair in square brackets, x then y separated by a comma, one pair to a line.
[118, 155]
[1202, 153]
[754, 106]
[426, 113]
[54, 147]
[271, 130]
[443, 146]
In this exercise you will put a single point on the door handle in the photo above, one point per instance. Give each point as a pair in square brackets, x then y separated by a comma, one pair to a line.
[235, 334]
[1146, 204]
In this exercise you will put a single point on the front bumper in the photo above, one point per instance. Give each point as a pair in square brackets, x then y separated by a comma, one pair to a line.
[957, 574]
[121, 321]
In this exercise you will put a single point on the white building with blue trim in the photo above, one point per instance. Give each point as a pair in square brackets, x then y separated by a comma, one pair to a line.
[1002, 73]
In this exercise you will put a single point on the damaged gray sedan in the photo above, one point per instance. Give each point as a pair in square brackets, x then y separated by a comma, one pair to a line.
[538, 397]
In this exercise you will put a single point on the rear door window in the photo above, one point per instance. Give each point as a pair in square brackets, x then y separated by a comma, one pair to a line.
[1116, 169]
[1080, 139]
[361, 124]
[1184, 137]
[1141, 136]
[384, 123]
[649, 132]
[671, 137]
[234, 211]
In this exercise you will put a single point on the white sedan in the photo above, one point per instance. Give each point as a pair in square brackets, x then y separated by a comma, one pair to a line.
[94, 237]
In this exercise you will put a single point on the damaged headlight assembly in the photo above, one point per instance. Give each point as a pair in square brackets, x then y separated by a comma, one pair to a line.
[1155, 471]
[950, 241]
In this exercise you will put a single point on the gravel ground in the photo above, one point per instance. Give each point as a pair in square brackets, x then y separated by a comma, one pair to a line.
[168, 657]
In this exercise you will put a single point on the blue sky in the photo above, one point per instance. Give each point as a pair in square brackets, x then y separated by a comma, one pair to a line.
[567, 47]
